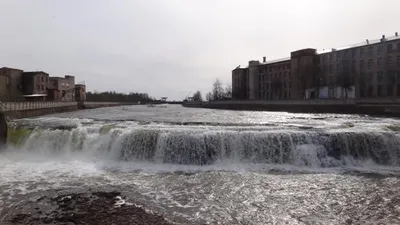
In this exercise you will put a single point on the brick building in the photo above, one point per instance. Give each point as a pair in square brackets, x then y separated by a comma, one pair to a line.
[14, 87]
[240, 80]
[35, 83]
[370, 69]
[80, 92]
[61, 88]
[3, 88]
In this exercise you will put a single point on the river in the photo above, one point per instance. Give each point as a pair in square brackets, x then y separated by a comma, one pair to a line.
[203, 166]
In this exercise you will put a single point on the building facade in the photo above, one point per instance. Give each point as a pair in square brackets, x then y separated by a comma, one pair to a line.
[370, 69]
[80, 92]
[240, 83]
[35, 83]
[3, 88]
[14, 87]
[61, 88]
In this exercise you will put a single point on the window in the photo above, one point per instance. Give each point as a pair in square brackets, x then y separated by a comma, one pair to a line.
[362, 65]
[389, 47]
[380, 77]
[361, 52]
[370, 49]
[369, 64]
[330, 68]
[370, 91]
[353, 53]
[379, 50]
[389, 60]
[398, 90]
[389, 90]
[337, 56]
[353, 65]
[379, 62]
[337, 67]
[380, 94]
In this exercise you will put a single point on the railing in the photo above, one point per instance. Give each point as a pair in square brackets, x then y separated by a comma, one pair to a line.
[17, 106]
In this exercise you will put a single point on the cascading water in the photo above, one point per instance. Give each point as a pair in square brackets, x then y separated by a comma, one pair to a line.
[202, 145]
[200, 166]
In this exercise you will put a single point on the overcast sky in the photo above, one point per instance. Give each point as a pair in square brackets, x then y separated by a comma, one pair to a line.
[175, 47]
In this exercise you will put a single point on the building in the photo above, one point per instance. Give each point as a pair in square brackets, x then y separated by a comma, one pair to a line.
[34, 85]
[370, 69]
[3, 88]
[240, 83]
[14, 87]
[80, 92]
[61, 88]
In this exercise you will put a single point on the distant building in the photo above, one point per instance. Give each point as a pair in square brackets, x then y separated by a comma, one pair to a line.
[3, 88]
[61, 88]
[80, 92]
[240, 84]
[34, 85]
[14, 87]
[370, 69]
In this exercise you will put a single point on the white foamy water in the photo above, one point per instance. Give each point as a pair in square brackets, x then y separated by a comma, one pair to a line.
[199, 166]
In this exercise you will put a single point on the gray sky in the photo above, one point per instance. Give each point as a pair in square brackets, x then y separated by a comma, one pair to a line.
[175, 47]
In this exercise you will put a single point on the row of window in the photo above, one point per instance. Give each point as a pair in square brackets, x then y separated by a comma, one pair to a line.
[380, 91]
[270, 68]
[370, 50]
[268, 86]
[274, 95]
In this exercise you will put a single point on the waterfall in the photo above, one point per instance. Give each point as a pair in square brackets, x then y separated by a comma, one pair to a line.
[202, 145]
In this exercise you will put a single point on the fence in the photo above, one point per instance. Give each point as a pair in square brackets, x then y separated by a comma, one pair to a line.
[18, 106]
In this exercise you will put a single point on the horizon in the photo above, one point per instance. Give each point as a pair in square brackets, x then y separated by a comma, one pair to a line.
[175, 48]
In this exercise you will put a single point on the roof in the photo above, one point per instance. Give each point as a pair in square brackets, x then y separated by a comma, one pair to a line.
[360, 44]
[8, 68]
[276, 61]
[34, 72]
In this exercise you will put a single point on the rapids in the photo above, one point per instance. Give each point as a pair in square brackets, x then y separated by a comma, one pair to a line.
[199, 166]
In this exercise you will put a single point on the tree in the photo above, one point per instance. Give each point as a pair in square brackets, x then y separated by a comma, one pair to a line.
[228, 92]
[217, 90]
[209, 96]
[197, 96]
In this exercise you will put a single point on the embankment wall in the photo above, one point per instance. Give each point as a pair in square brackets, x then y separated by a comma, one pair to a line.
[348, 106]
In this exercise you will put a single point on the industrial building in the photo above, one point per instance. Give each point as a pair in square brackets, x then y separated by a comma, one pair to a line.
[370, 69]
[17, 85]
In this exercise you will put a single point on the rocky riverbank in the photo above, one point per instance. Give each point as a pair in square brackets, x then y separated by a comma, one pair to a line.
[81, 208]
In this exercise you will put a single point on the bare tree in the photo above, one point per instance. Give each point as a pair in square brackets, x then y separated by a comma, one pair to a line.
[209, 96]
[217, 91]
[197, 96]
[228, 91]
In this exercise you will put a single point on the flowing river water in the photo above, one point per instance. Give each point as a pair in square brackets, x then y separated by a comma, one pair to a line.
[202, 166]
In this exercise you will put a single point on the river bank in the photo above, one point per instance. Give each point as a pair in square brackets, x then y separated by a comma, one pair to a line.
[346, 106]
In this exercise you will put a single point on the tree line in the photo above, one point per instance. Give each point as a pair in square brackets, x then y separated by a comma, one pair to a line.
[218, 92]
[113, 96]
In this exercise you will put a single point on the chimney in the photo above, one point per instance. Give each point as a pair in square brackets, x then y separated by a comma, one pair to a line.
[396, 34]
[383, 38]
[264, 59]
[367, 41]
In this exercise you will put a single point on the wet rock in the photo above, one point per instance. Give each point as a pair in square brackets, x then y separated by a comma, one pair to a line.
[86, 208]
